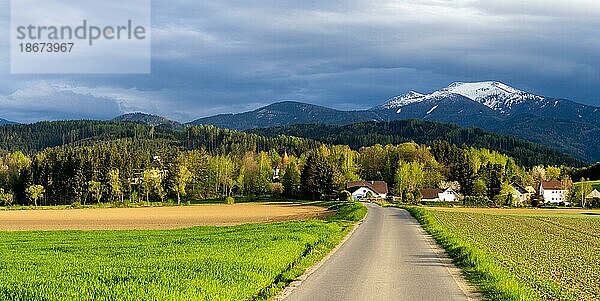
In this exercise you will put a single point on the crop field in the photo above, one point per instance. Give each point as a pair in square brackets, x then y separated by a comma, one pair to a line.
[243, 262]
[153, 218]
[538, 256]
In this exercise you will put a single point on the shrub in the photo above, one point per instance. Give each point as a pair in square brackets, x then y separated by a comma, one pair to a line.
[277, 189]
[477, 201]
[229, 200]
[345, 196]
[6, 198]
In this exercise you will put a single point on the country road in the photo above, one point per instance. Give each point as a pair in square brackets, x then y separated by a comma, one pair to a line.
[387, 258]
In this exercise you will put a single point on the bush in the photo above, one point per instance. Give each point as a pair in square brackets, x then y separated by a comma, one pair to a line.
[6, 198]
[345, 196]
[595, 203]
[440, 204]
[76, 204]
[477, 201]
[229, 200]
[277, 189]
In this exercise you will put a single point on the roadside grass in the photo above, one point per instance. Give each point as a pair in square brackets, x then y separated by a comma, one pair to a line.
[247, 262]
[480, 269]
[520, 257]
[346, 217]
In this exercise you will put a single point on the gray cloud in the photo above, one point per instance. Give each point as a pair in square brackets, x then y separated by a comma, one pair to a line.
[227, 56]
[43, 101]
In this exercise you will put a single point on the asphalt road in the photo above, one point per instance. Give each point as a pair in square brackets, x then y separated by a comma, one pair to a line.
[387, 258]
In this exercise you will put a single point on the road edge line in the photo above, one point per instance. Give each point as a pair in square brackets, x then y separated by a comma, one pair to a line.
[298, 281]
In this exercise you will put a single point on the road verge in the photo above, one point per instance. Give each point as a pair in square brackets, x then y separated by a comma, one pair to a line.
[492, 280]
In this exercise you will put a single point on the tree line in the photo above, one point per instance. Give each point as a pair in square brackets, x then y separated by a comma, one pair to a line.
[142, 170]
[424, 132]
[93, 161]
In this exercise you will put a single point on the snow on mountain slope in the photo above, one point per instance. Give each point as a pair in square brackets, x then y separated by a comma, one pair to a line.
[403, 100]
[495, 95]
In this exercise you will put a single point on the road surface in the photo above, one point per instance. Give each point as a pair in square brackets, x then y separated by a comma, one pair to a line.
[387, 258]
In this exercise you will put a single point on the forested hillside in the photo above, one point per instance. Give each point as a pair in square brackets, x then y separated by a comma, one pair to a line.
[31, 138]
[91, 162]
[424, 132]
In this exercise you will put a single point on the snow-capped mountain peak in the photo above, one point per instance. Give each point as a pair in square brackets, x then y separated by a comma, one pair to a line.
[493, 94]
[403, 100]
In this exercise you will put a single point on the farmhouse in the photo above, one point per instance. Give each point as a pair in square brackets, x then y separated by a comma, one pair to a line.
[595, 194]
[520, 195]
[438, 195]
[363, 189]
[552, 192]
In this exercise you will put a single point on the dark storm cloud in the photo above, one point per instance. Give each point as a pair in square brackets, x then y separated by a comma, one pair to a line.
[228, 56]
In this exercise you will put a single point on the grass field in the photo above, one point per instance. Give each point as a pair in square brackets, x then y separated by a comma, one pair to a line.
[524, 255]
[203, 263]
[595, 184]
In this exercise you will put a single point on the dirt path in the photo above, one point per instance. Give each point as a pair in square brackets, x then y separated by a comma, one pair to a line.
[154, 218]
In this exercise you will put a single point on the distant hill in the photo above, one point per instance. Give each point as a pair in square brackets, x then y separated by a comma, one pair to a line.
[5, 122]
[286, 113]
[34, 137]
[424, 132]
[148, 119]
[572, 127]
[31, 138]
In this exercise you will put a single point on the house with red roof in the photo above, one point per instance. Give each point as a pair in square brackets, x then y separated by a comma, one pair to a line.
[553, 192]
[363, 189]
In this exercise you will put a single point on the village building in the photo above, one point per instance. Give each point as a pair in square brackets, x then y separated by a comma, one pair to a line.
[365, 189]
[520, 195]
[438, 195]
[595, 194]
[553, 192]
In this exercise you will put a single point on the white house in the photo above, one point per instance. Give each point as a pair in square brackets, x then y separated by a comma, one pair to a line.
[595, 194]
[438, 195]
[553, 192]
[520, 194]
[362, 189]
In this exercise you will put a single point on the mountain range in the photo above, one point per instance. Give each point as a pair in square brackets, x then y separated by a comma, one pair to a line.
[562, 124]
[559, 123]
[4, 122]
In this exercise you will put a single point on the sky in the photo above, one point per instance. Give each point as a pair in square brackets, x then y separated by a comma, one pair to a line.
[228, 56]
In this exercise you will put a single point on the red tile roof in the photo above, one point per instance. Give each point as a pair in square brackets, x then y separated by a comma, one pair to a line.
[380, 187]
[552, 185]
[430, 193]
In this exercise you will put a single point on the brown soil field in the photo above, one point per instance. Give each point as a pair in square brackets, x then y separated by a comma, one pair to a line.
[156, 217]
[519, 210]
